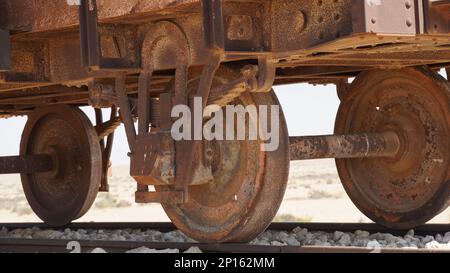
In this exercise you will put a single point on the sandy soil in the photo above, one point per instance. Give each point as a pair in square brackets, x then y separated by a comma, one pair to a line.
[314, 194]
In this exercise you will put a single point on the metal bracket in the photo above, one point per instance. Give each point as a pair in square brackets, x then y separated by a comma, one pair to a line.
[266, 75]
[91, 53]
[387, 17]
[171, 197]
[401, 17]
[437, 16]
[153, 160]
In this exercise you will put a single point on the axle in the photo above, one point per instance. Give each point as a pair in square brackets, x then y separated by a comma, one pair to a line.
[302, 148]
[26, 164]
[347, 146]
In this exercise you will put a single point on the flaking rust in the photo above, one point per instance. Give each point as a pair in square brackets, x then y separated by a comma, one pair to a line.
[142, 58]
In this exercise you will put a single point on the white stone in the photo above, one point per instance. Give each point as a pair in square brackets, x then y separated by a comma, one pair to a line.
[374, 244]
[446, 239]
[361, 242]
[291, 241]
[4, 232]
[194, 250]
[99, 251]
[345, 240]
[362, 234]
[338, 235]
[411, 233]
[143, 250]
[434, 245]
[428, 239]
[300, 232]
[282, 235]
[47, 234]
[323, 238]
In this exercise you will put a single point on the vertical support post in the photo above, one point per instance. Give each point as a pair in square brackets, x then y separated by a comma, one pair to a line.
[166, 108]
[213, 24]
[181, 78]
[99, 121]
[144, 101]
[106, 146]
[125, 110]
[5, 51]
[89, 39]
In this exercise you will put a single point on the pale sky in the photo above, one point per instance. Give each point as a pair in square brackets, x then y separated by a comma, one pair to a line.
[310, 110]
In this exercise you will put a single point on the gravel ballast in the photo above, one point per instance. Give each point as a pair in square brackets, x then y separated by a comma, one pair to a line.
[297, 237]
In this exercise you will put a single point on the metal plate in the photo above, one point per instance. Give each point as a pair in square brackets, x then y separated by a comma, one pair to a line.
[411, 188]
[388, 17]
[248, 185]
[65, 194]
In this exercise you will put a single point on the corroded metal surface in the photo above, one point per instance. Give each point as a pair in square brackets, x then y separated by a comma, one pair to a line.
[153, 159]
[411, 188]
[303, 41]
[26, 164]
[34, 15]
[67, 192]
[138, 55]
[348, 146]
[247, 189]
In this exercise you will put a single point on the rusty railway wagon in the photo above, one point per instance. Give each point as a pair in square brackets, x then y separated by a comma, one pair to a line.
[139, 58]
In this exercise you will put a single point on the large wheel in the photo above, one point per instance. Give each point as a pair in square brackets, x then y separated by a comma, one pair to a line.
[411, 188]
[248, 186]
[65, 194]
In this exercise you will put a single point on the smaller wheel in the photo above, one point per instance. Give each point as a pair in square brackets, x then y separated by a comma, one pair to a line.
[66, 193]
[410, 189]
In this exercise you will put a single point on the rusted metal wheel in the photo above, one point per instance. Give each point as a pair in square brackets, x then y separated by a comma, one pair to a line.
[248, 185]
[411, 188]
[66, 193]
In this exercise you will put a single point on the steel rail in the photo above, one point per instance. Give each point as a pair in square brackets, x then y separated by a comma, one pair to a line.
[429, 229]
[61, 246]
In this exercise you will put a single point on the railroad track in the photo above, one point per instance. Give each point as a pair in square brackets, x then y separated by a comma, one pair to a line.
[61, 246]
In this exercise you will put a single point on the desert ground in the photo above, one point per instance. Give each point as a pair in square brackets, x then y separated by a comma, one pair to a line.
[314, 195]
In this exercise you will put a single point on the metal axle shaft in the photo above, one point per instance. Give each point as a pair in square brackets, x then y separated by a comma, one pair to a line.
[346, 146]
[26, 164]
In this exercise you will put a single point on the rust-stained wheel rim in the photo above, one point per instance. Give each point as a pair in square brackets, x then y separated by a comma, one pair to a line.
[248, 187]
[66, 193]
[413, 187]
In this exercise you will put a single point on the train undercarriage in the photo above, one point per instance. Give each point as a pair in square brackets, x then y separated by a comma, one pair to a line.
[142, 58]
